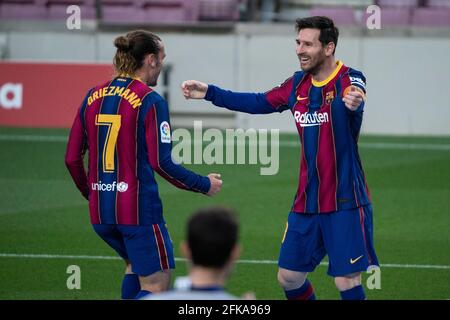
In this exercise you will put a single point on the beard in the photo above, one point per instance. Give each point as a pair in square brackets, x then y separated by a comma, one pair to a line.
[153, 80]
[314, 66]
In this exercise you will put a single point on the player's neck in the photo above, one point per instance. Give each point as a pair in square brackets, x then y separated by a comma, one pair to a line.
[207, 277]
[327, 69]
[141, 76]
[136, 76]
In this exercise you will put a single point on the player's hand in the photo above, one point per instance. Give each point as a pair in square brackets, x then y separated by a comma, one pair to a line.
[193, 89]
[216, 184]
[353, 98]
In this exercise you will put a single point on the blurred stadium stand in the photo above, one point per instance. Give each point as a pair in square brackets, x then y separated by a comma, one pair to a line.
[23, 9]
[121, 11]
[247, 45]
[399, 3]
[343, 16]
[125, 11]
[438, 3]
[395, 13]
[149, 11]
[56, 9]
[431, 17]
[211, 10]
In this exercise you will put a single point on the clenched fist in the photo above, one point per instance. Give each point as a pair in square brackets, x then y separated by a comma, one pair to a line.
[353, 98]
[216, 184]
[193, 89]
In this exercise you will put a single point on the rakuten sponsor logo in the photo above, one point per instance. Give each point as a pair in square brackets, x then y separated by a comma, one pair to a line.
[11, 95]
[311, 119]
[121, 186]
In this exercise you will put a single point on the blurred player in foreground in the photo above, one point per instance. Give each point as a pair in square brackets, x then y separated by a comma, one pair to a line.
[211, 248]
[331, 213]
[124, 125]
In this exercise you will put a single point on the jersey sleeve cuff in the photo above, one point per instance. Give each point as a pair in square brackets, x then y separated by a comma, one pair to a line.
[210, 92]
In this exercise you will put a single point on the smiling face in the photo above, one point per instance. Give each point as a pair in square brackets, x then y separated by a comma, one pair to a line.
[310, 51]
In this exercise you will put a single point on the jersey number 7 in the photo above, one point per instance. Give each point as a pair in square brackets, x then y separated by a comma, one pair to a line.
[113, 122]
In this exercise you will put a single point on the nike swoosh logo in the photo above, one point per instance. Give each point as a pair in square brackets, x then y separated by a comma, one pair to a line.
[301, 98]
[352, 261]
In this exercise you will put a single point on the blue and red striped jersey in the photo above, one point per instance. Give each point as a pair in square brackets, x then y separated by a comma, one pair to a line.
[125, 127]
[331, 174]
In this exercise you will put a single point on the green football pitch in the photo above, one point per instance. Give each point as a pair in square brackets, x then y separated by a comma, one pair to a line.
[44, 222]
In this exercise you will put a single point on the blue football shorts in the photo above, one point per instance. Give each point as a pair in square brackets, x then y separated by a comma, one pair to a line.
[148, 248]
[345, 236]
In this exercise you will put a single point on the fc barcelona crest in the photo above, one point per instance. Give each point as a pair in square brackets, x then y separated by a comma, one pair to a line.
[329, 96]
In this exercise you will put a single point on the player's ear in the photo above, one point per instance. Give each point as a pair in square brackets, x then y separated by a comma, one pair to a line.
[329, 49]
[151, 60]
[236, 252]
[185, 251]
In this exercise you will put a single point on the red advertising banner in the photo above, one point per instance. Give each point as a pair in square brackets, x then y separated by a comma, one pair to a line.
[46, 94]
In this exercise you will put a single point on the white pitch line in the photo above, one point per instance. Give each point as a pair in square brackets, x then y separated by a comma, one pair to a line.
[33, 138]
[293, 144]
[86, 257]
[404, 146]
[384, 145]
[56, 256]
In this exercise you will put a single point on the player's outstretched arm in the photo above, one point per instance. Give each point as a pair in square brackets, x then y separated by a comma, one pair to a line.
[275, 100]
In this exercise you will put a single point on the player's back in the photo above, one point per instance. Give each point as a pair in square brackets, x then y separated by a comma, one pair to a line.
[110, 118]
[192, 295]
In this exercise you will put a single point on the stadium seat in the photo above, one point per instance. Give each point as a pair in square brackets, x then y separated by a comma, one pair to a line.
[392, 17]
[56, 9]
[69, 2]
[398, 3]
[438, 3]
[431, 17]
[149, 11]
[23, 10]
[342, 16]
[170, 11]
[219, 10]
[327, 3]
[122, 11]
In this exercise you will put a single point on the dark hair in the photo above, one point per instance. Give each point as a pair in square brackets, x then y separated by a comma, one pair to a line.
[132, 48]
[212, 233]
[328, 32]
